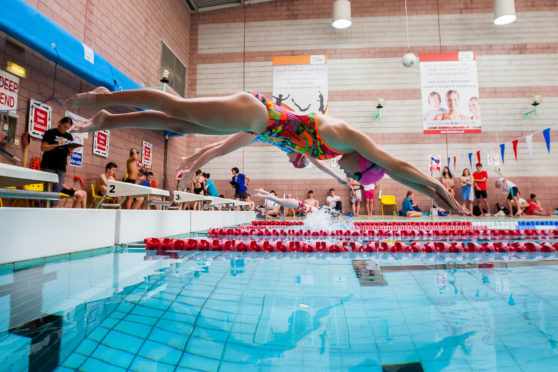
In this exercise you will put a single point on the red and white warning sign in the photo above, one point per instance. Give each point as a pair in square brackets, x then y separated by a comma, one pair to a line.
[147, 154]
[39, 118]
[9, 87]
[101, 141]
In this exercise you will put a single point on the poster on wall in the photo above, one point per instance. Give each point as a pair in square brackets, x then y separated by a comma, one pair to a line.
[76, 159]
[450, 93]
[40, 116]
[101, 142]
[300, 83]
[9, 89]
[146, 154]
[434, 163]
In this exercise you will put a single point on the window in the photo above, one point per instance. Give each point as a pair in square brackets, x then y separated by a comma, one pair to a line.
[178, 70]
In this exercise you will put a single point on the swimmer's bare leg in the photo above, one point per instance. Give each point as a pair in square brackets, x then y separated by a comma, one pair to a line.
[150, 119]
[233, 113]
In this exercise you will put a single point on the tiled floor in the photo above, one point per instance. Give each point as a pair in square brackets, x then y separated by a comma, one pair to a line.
[267, 311]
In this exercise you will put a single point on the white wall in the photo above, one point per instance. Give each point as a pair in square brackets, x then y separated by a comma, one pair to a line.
[35, 233]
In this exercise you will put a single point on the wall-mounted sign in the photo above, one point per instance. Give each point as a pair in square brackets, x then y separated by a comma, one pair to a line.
[39, 118]
[9, 87]
[147, 153]
[101, 140]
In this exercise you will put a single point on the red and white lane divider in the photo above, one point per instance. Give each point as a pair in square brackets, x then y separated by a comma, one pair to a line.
[321, 246]
[250, 231]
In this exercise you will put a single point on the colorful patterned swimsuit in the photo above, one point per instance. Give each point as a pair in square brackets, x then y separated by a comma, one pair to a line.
[298, 132]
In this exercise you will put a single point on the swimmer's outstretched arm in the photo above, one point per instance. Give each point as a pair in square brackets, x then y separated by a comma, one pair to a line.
[400, 170]
[285, 202]
[327, 169]
[229, 144]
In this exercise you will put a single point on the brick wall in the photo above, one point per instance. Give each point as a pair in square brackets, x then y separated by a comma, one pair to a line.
[232, 49]
[128, 34]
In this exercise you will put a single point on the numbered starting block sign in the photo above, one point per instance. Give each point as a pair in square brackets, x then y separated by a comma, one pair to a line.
[117, 188]
[187, 197]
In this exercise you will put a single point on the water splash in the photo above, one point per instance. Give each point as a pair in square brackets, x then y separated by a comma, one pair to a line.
[322, 219]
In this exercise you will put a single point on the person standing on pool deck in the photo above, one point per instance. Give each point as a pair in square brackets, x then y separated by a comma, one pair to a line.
[132, 173]
[55, 154]
[512, 191]
[480, 177]
[315, 135]
[240, 183]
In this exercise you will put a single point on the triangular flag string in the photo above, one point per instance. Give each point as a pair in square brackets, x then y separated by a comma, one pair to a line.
[514, 142]
[502, 151]
[529, 140]
[546, 135]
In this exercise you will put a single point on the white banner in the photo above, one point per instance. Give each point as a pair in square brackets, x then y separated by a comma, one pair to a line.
[450, 92]
[300, 83]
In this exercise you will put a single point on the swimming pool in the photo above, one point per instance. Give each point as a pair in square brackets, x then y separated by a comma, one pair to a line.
[133, 309]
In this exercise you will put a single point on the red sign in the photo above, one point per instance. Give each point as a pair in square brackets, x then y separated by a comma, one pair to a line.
[146, 153]
[39, 118]
[101, 143]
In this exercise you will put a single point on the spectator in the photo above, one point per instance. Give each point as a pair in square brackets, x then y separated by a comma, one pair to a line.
[355, 197]
[177, 178]
[467, 194]
[150, 180]
[479, 183]
[137, 203]
[210, 188]
[448, 180]
[55, 153]
[79, 196]
[535, 207]
[101, 180]
[510, 189]
[311, 201]
[197, 184]
[271, 208]
[523, 204]
[252, 204]
[369, 191]
[334, 201]
[240, 183]
[131, 174]
[409, 208]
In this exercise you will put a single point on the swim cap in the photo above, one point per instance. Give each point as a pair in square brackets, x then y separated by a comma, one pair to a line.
[300, 161]
[372, 175]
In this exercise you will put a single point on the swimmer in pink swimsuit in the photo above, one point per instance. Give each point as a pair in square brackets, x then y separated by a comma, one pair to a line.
[316, 135]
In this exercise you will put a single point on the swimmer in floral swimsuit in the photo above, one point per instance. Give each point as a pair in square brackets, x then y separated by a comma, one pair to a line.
[316, 135]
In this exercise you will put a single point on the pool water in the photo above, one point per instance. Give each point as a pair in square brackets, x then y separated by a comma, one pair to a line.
[214, 311]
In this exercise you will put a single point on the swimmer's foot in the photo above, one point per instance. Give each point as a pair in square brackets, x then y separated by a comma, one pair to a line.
[88, 99]
[96, 123]
[260, 195]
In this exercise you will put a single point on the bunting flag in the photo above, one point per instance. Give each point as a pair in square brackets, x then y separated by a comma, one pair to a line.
[454, 163]
[514, 142]
[448, 161]
[471, 159]
[502, 151]
[478, 156]
[529, 140]
[546, 134]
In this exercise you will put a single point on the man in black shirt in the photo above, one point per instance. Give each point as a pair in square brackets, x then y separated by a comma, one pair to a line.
[55, 154]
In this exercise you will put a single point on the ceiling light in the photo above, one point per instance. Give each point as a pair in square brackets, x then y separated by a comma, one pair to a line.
[504, 12]
[341, 14]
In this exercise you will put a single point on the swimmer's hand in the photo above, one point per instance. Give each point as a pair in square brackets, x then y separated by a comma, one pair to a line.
[187, 175]
[345, 182]
[446, 200]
